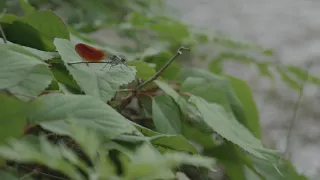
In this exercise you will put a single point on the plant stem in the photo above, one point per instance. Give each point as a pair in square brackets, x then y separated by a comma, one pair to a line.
[154, 77]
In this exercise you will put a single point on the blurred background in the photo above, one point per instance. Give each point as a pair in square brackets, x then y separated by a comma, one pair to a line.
[258, 41]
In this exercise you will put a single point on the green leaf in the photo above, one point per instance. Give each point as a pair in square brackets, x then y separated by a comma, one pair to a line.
[42, 55]
[62, 76]
[229, 156]
[93, 81]
[215, 66]
[88, 140]
[166, 115]
[243, 92]
[34, 31]
[229, 128]
[173, 142]
[211, 91]
[13, 117]
[54, 157]
[285, 167]
[175, 96]
[264, 70]
[144, 71]
[303, 75]
[55, 110]
[216, 89]
[27, 8]
[287, 79]
[24, 76]
[39, 79]
[148, 163]
[195, 133]
[166, 142]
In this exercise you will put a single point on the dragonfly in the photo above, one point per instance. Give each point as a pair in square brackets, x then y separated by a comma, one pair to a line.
[92, 55]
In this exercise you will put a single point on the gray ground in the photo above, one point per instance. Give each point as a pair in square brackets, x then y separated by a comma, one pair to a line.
[292, 28]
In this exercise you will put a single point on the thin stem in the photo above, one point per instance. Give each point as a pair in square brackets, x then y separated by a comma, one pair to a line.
[295, 113]
[1, 30]
[154, 77]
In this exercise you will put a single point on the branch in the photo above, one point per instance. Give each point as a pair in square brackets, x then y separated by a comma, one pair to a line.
[154, 77]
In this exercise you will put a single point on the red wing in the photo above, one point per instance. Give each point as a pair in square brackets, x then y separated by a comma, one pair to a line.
[89, 53]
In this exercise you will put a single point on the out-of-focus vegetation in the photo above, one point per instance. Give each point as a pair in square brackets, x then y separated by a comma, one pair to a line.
[64, 121]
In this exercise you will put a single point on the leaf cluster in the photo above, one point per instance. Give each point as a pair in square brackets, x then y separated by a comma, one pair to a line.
[62, 121]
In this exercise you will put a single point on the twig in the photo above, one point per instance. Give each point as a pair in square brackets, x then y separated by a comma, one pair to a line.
[1, 30]
[296, 108]
[154, 77]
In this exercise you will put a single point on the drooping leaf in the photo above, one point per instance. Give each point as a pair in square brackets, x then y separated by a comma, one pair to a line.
[55, 109]
[207, 85]
[92, 80]
[24, 76]
[225, 124]
[244, 94]
[166, 115]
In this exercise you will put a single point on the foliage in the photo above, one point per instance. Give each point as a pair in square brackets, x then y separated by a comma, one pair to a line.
[78, 121]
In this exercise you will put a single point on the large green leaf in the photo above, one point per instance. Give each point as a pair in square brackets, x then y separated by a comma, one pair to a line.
[244, 94]
[54, 157]
[92, 80]
[24, 76]
[33, 30]
[55, 110]
[229, 128]
[220, 85]
[166, 115]
[13, 117]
